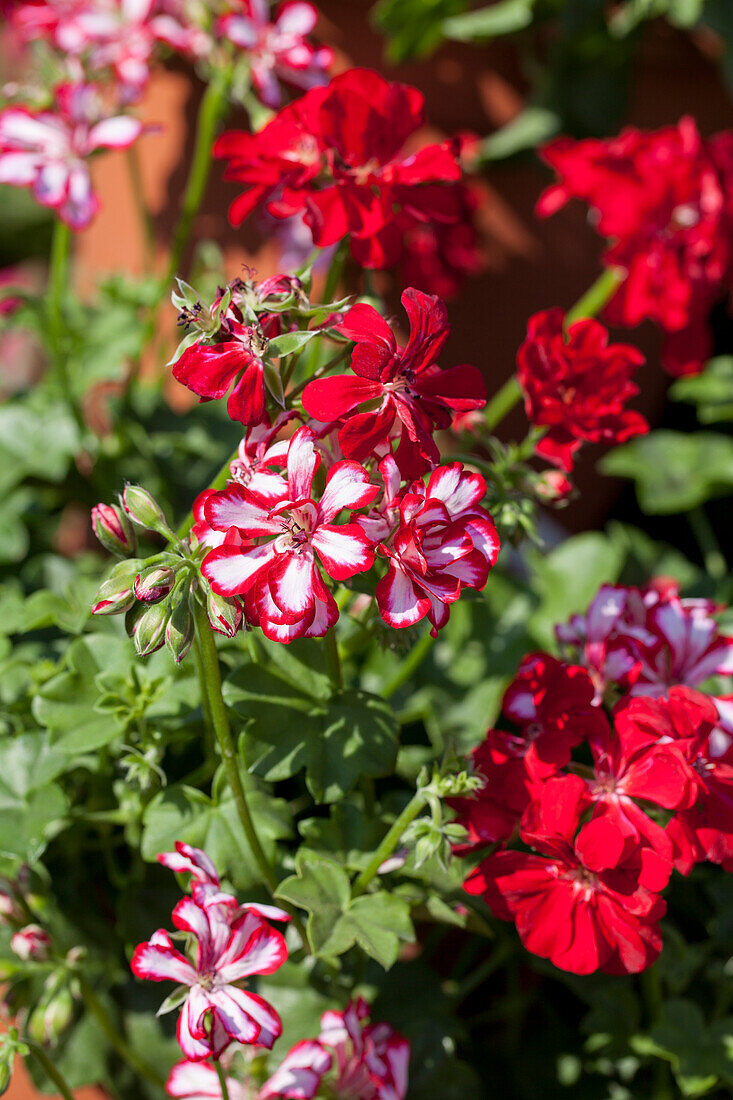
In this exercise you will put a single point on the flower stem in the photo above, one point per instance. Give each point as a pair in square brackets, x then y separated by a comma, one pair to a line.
[597, 295]
[138, 195]
[210, 113]
[333, 659]
[335, 271]
[590, 303]
[409, 666]
[112, 1033]
[389, 843]
[211, 679]
[54, 1076]
[712, 555]
[221, 1074]
[58, 279]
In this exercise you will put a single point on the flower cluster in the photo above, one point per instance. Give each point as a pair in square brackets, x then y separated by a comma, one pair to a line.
[355, 1060]
[336, 157]
[602, 841]
[663, 200]
[576, 385]
[233, 943]
[273, 532]
[48, 150]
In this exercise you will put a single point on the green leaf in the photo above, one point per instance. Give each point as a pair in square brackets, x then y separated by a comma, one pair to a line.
[32, 809]
[503, 17]
[376, 922]
[711, 391]
[530, 128]
[183, 813]
[346, 835]
[66, 704]
[700, 1053]
[289, 342]
[28, 762]
[673, 471]
[22, 425]
[336, 740]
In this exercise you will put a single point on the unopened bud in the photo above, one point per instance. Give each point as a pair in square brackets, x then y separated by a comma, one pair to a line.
[5, 1075]
[10, 911]
[31, 942]
[553, 486]
[180, 630]
[145, 511]
[51, 1017]
[113, 529]
[153, 584]
[115, 595]
[147, 626]
[225, 613]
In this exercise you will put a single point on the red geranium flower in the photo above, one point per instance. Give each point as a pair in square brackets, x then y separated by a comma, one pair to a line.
[576, 384]
[589, 899]
[661, 198]
[336, 156]
[413, 395]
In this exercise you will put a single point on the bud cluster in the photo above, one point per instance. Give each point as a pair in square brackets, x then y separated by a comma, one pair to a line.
[155, 594]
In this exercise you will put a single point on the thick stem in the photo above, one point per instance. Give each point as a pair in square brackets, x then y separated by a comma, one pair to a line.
[221, 1074]
[409, 666]
[594, 299]
[112, 1033]
[210, 113]
[211, 678]
[49, 1069]
[389, 843]
[712, 554]
[596, 296]
[333, 659]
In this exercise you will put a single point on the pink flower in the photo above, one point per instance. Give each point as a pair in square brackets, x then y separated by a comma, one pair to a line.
[278, 48]
[369, 1061]
[231, 946]
[444, 541]
[661, 198]
[576, 385]
[48, 150]
[275, 568]
[404, 390]
[589, 899]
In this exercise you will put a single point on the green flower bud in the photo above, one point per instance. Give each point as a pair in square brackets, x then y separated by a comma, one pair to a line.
[180, 630]
[113, 529]
[146, 626]
[115, 595]
[145, 511]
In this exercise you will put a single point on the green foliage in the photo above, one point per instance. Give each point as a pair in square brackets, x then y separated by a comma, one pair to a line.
[711, 391]
[674, 471]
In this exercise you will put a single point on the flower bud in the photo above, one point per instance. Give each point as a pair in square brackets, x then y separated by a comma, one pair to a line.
[113, 529]
[180, 630]
[32, 942]
[553, 486]
[52, 1016]
[5, 1075]
[10, 911]
[153, 584]
[225, 613]
[145, 511]
[115, 595]
[147, 627]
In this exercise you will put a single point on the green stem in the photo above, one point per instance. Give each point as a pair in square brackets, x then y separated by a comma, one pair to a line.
[335, 271]
[502, 403]
[138, 195]
[210, 113]
[333, 659]
[112, 1033]
[221, 1074]
[49, 1069]
[389, 843]
[409, 666]
[58, 280]
[218, 483]
[596, 296]
[211, 677]
[712, 554]
[588, 305]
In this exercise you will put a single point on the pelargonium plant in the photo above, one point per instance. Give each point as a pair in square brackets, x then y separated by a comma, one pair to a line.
[320, 773]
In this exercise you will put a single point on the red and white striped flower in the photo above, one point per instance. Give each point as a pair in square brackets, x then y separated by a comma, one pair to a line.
[231, 946]
[200, 1081]
[47, 151]
[444, 542]
[276, 568]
